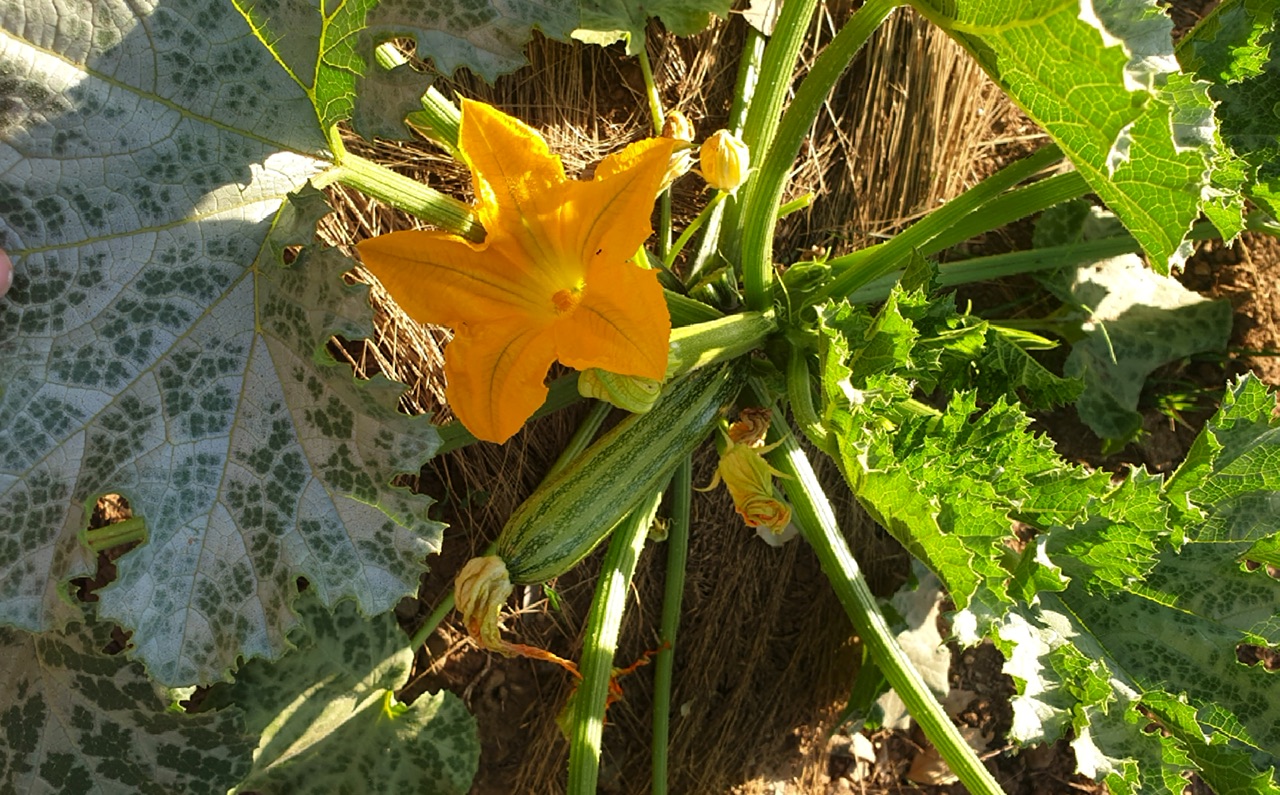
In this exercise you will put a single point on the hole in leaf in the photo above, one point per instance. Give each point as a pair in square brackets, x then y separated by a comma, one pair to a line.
[1251, 654]
[119, 641]
[290, 254]
[1273, 571]
[111, 535]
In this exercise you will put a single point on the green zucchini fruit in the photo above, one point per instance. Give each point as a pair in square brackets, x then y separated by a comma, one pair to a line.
[574, 510]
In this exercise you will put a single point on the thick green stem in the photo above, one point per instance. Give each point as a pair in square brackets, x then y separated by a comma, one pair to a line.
[863, 267]
[777, 70]
[800, 396]
[658, 117]
[440, 120]
[997, 266]
[116, 534]
[672, 597]
[718, 340]
[604, 623]
[764, 190]
[796, 205]
[582, 437]
[981, 269]
[1004, 210]
[686, 311]
[409, 195]
[816, 520]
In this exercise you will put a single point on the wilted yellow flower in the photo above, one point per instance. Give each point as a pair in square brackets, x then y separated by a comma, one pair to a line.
[767, 512]
[678, 127]
[749, 479]
[751, 427]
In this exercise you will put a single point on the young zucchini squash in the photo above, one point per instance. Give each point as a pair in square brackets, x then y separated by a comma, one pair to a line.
[569, 514]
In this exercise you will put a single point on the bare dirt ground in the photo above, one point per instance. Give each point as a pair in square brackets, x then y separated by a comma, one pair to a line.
[765, 658]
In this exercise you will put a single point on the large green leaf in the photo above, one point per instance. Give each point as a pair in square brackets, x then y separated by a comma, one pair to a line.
[947, 484]
[1138, 321]
[1150, 624]
[1101, 78]
[75, 720]
[328, 721]
[1234, 48]
[1125, 612]
[1122, 616]
[157, 346]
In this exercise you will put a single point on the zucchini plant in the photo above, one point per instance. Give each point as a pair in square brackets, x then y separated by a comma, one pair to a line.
[165, 339]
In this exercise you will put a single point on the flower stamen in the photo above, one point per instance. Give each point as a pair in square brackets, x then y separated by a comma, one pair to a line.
[566, 300]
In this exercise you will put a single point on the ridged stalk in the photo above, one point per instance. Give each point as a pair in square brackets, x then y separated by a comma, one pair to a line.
[860, 268]
[604, 623]
[672, 598]
[764, 191]
[816, 520]
[743, 91]
[409, 195]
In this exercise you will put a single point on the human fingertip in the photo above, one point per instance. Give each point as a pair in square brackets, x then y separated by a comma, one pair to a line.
[6, 272]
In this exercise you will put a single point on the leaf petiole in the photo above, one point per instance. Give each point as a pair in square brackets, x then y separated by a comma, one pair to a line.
[817, 523]
[669, 260]
[409, 195]
[116, 534]
[673, 596]
[604, 623]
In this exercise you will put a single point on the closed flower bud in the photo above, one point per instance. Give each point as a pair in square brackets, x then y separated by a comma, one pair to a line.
[632, 393]
[725, 161]
[678, 128]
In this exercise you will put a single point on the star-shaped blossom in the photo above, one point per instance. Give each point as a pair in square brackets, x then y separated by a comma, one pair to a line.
[552, 280]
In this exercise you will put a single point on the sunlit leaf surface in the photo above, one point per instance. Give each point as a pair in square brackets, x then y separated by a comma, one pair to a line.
[1124, 610]
[1102, 80]
[157, 346]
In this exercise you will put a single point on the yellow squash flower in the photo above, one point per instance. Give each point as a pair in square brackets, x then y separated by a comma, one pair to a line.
[552, 279]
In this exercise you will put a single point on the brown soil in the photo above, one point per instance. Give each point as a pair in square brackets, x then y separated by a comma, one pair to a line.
[765, 657]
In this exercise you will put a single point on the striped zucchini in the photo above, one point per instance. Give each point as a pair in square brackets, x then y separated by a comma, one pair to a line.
[573, 511]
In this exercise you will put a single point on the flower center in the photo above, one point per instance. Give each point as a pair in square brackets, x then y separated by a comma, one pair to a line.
[567, 300]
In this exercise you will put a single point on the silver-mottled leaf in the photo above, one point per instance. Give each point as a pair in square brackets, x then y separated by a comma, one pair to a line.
[74, 720]
[156, 346]
[1139, 321]
[327, 718]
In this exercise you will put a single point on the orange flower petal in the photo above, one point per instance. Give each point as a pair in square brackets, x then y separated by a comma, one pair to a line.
[621, 324]
[443, 279]
[551, 279]
[619, 201]
[513, 172]
[496, 373]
